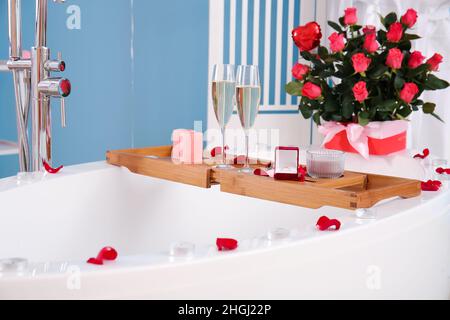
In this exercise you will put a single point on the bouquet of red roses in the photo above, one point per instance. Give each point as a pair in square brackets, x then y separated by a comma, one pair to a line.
[376, 75]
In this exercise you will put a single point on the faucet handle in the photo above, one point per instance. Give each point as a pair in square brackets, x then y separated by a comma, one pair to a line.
[55, 87]
[58, 65]
[63, 112]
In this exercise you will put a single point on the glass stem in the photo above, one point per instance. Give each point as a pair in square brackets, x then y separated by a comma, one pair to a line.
[247, 162]
[224, 157]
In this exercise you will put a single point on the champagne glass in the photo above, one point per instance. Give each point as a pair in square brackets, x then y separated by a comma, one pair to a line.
[248, 95]
[223, 91]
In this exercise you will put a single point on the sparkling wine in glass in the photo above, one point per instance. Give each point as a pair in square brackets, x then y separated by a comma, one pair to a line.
[223, 95]
[248, 96]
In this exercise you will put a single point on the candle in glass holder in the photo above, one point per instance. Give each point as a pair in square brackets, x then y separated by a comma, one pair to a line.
[322, 163]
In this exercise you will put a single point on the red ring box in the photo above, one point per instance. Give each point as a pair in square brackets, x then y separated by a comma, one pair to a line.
[286, 163]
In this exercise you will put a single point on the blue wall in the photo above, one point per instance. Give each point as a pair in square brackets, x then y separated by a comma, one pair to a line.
[119, 101]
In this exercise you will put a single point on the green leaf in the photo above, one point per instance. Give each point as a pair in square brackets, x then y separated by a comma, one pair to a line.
[305, 111]
[363, 118]
[341, 21]
[307, 56]
[404, 112]
[378, 71]
[336, 117]
[398, 82]
[388, 105]
[330, 105]
[416, 71]
[382, 19]
[404, 45]
[428, 108]
[434, 83]
[316, 118]
[347, 106]
[294, 88]
[335, 26]
[410, 37]
[323, 52]
[390, 19]
[381, 35]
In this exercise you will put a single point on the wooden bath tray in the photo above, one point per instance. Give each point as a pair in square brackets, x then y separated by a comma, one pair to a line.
[352, 191]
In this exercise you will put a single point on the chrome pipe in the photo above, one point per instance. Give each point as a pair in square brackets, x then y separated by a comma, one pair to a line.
[40, 109]
[22, 120]
[18, 65]
[15, 29]
[41, 23]
[21, 81]
[4, 66]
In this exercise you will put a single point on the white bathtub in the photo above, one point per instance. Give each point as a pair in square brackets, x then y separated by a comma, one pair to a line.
[58, 223]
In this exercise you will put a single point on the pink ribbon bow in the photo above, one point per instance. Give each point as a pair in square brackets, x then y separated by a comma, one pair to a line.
[358, 136]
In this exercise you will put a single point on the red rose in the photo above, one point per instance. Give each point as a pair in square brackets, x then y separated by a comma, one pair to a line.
[311, 91]
[350, 17]
[395, 32]
[337, 43]
[360, 91]
[409, 91]
[394, 58]
[369, 29]
[409, 19]
[360, 62]
[415, 60]
[299, 71]
[434, 62]
[370, 43]
[307, 37]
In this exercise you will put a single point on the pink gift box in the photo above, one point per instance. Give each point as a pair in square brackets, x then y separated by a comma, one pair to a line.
[187, 146]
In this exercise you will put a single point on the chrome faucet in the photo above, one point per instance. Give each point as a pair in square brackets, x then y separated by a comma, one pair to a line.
[34, 86]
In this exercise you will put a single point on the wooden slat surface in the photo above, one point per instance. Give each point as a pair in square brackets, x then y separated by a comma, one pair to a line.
[139, 161]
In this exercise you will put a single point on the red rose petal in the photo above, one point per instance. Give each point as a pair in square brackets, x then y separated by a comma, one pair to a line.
[443, 171]
[51, 170]
[224, 244]
[431, 185]
[437, 183]
[95, 261]
[324, 223]
[107, 253]
[302, 172]
[424, 155]
[217, 151]
[260, 172]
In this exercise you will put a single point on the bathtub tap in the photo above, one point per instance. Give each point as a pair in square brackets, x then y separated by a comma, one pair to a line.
[34, 86]
[43, 87]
